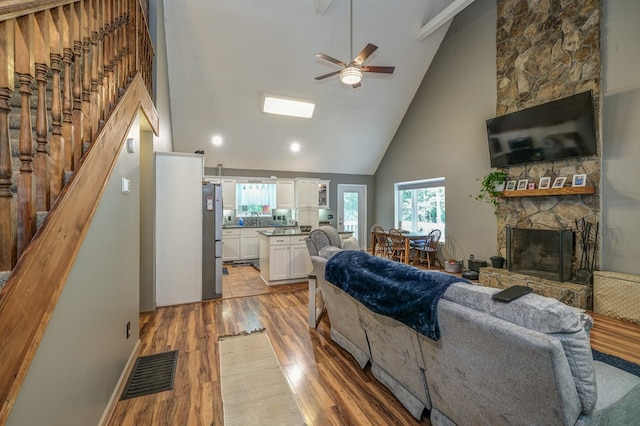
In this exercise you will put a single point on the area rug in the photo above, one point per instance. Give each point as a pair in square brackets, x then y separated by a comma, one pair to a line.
[622, 364]
[254, 388]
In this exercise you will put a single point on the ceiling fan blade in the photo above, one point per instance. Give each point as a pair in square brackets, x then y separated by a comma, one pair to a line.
[384, 70]
[362, 56]
[322, 77]
[355, 86]
[330, 59]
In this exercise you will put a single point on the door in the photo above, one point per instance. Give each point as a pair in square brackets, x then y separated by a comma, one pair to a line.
[352, 211]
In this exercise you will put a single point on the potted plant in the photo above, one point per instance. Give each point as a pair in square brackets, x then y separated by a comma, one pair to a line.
[491, 186]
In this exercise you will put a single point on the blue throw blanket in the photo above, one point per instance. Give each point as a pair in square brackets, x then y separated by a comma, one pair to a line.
[405, 293]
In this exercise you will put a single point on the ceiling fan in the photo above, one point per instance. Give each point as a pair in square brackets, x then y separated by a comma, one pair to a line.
[352, 72]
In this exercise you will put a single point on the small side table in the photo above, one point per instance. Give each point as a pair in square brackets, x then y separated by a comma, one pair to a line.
[316, 304]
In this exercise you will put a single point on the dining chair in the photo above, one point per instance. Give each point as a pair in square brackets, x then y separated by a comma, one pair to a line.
[429, 248]
[381, 241]
[397, 245]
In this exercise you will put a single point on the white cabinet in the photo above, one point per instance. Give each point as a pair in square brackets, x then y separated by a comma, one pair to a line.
[285, 194]
[323, 194]
[228, 193]
[308, 216]
[300, 261]
[230, 244]
[284, 259]
[249, 247]
[307, 193]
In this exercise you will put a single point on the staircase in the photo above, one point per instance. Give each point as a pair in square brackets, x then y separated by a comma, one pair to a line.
[69, 71]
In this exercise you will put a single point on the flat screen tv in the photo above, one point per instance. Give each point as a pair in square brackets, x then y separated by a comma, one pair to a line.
[551, 131]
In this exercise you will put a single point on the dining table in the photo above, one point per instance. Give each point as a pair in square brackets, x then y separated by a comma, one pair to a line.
[408, 236]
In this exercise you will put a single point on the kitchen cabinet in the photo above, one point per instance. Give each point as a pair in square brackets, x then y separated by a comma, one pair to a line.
[323, 194]
[228, 193]
[230, 244]
[307, 193]
[308, 216]
[285, 194]
[284, 259]
[249, 242]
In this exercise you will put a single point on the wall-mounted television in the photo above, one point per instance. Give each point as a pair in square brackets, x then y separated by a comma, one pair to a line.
[552, 131]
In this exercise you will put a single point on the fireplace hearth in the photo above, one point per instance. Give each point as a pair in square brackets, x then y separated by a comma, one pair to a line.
[540, 253]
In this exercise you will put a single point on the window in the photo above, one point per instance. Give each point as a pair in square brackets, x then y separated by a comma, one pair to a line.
[255, 199]
[420, 205]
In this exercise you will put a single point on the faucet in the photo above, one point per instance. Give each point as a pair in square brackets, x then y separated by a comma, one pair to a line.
[255, 214]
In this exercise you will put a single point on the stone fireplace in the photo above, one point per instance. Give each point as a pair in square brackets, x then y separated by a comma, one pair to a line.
[540, 253]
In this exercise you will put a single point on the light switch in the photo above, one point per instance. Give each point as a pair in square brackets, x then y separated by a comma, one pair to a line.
[126, 186]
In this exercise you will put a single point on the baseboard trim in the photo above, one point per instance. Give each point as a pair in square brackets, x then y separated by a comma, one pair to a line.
[122, 381]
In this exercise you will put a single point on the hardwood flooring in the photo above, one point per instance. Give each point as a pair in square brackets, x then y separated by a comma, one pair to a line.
[328, 384]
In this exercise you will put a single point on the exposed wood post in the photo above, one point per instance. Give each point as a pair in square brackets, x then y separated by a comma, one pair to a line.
[67, 98]
[8, 233]
[25, 68]
[77, 116]
[56, 144]
[42, 161]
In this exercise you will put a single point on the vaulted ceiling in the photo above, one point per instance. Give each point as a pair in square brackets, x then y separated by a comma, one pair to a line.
[224, 54]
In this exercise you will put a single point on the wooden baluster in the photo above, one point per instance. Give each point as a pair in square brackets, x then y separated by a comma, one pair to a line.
[86, 74]
[96, 81]
[106, 58]
[77, 116]
[25, 68]
[126, 52]
[42, 161]
[67, 96]
[56, 144]
[8, 233]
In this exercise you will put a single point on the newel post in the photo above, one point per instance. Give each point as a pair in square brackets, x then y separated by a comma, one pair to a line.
[8, 233]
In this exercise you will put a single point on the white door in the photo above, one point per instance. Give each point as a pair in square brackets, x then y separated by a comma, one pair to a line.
[352, 211]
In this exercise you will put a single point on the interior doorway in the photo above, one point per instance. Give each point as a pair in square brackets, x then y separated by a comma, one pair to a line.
[352, 211]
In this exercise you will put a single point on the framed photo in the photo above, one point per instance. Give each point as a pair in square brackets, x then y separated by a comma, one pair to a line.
[559, 182]
[579, 180]
[511, 185]
[545, 182]
[522, 184]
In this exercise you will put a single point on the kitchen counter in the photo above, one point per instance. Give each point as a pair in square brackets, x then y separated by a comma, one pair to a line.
[292, 232]
[258, 226]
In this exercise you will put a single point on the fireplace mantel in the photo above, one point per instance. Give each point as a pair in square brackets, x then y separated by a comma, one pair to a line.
[578, 190]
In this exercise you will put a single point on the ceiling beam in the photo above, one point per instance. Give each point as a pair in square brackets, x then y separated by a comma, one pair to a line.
[321, 6]
[447, 14]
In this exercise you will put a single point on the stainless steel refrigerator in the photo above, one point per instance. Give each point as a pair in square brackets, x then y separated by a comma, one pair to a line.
[211, 241]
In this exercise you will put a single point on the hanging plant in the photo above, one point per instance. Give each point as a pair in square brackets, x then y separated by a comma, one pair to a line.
[491, 187]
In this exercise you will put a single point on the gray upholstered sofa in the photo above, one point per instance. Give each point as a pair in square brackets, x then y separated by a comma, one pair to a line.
[527, 362]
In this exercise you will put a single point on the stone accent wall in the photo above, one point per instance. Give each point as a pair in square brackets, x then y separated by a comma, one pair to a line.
[547, 50]
[576, 295]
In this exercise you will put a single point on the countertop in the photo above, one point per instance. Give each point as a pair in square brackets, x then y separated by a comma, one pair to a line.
[289, 231]
[257, 226]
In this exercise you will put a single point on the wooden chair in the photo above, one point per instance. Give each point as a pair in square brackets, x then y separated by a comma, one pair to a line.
[397, 245]
[428, 247]
[380, 241]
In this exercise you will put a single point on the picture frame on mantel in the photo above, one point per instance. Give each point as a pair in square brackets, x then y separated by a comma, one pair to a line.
[579, 180]
[559, 182]
[522, 184]
[545, 182]
[511, 185]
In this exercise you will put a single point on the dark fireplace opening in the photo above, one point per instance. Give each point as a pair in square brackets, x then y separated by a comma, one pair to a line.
[541, 253]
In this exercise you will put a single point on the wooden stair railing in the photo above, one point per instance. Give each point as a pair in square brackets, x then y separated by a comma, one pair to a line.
[87, 51]
[96, 56]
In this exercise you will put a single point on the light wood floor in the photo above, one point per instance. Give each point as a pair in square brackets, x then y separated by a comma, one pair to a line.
[329, 385]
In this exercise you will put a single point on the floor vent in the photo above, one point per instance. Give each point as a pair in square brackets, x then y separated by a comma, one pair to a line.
[151, 374]
[225, 271]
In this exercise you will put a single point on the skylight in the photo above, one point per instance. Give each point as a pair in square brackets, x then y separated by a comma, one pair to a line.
[287, 106]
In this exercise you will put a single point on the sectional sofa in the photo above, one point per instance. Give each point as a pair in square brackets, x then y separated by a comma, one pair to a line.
[527, 362]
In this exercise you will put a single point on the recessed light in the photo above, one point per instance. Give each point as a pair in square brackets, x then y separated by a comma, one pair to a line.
[287, 106]
[217, 140]
[295, 147]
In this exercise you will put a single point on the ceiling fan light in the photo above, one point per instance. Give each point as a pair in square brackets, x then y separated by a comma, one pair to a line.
[351, 75]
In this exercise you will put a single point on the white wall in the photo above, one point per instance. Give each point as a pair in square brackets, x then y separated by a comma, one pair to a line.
[444, 134]
[621, 137]
[84, 349]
